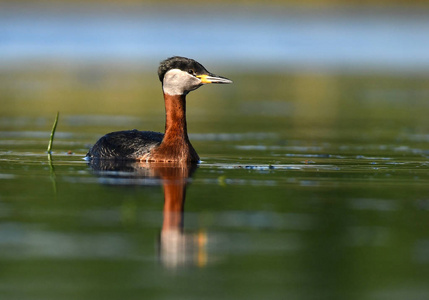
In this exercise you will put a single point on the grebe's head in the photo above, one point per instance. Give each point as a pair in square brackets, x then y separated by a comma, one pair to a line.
[180, 75]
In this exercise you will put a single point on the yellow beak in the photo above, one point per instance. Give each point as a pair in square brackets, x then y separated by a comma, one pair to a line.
[213, 79]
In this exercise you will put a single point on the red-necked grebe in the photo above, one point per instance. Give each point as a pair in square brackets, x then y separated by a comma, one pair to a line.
[179, 76]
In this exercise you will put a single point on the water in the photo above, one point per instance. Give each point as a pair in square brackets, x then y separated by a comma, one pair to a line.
[302, 194]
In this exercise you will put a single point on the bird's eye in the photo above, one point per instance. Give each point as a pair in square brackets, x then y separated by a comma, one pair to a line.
[190, 71]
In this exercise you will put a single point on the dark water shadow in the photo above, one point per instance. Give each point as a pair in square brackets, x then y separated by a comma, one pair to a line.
[176, 248]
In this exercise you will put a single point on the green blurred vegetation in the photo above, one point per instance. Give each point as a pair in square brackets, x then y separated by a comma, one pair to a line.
[110, 90]
[338, 108]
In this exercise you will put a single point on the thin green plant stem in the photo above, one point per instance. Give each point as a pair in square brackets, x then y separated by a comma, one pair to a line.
[52, 172]
[54, 127]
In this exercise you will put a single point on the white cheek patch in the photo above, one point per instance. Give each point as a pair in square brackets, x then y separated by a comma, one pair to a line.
[178, 82]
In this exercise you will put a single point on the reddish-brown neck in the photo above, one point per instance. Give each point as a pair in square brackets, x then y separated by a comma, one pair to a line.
[175, 119]
[175, 145]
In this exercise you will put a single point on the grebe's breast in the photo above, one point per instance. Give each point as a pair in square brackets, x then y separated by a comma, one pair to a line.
[125, 145]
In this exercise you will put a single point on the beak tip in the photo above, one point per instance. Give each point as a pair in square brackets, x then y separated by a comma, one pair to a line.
[221, 80]
[226, 81]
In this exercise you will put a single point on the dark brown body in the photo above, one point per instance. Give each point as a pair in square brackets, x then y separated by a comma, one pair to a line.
[173, 146]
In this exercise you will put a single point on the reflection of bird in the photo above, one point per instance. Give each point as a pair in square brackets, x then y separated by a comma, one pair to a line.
[179, 76]
[176, 247]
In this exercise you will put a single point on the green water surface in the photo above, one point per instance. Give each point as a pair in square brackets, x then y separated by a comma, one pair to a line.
[311, 186]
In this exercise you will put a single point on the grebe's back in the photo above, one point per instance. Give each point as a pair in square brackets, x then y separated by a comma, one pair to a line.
[126, 145]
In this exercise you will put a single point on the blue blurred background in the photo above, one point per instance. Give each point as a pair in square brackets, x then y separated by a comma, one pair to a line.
[280, 35]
